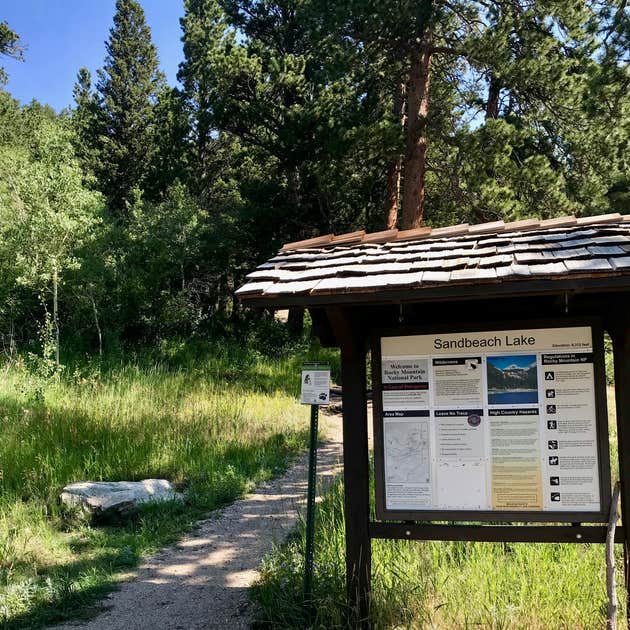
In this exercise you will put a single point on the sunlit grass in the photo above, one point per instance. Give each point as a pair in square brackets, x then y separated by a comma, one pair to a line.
[445, 585]
[215, 428]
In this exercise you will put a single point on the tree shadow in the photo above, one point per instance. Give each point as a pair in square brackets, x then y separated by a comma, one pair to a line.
[69, 590]
[203, 580]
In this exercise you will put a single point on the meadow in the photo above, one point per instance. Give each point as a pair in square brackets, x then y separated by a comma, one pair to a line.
[215, 424]
[443, 585]
[216, 420]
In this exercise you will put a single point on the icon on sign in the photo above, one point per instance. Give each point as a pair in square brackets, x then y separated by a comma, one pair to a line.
[555, 496]
[550, 393]
[550, 376]
[552, 424]
[553, 445]
[554, 460]
[307, 379]
[551, 409]
[554, 481]
[474, 420]
[323, 396]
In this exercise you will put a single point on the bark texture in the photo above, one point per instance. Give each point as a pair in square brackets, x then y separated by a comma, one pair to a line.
[395, 168]
[415, 167]
[494, 92]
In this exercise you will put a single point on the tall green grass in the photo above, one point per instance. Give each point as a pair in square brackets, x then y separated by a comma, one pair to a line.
[445, 585]
[214, 426]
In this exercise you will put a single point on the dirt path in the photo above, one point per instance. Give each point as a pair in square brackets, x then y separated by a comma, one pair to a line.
[202, 581]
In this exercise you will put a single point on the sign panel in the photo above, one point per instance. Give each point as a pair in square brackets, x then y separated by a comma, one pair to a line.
[491, 421]
[315, 384]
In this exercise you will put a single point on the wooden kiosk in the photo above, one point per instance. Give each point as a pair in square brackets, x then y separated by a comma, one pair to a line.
[467, 327]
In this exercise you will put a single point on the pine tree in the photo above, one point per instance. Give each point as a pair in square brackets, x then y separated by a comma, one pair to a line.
[467, 61]
[85, 120]
[127, 89]
[10, 46]
[204, 32]
[173, 147]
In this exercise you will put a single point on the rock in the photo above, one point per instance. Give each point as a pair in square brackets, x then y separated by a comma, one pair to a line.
[117, 499]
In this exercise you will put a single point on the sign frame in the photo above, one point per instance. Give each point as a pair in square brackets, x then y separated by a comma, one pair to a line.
[497, 516]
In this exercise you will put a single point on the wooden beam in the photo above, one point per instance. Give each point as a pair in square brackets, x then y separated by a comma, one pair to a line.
[494, 533]
[355, 464]
[619, 329]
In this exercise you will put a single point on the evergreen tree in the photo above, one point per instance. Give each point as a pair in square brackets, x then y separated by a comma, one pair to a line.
[204, 35]
[85, 118]
[10, 46]
[173, 147]
[447, 68]
[127, 90]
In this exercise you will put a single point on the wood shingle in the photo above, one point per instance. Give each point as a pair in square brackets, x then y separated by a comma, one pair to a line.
[487, 255]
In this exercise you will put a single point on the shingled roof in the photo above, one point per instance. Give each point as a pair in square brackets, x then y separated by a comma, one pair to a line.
[427, 261]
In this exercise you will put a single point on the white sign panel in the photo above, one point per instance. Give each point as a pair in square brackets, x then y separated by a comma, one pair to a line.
[315, 384]
[491, 421]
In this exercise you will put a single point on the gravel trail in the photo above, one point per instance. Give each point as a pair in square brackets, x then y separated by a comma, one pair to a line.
[202, 581]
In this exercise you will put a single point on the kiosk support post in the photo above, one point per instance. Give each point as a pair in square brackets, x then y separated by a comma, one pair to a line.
[620, 333]
[355, 465]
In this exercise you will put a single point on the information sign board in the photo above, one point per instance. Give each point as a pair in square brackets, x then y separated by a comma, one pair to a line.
[315, 384]
[504, 424]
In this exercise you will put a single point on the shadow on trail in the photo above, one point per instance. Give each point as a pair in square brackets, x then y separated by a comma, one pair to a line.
[45, 448]
[202, 581]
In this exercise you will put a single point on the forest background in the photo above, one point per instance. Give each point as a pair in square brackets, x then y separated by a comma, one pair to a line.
[133, 216]
[128, 220]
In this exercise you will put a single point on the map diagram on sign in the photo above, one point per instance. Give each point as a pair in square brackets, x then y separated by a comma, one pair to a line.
[407, 452]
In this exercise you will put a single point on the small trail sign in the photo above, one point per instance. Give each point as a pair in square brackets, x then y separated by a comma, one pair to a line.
[315, 384]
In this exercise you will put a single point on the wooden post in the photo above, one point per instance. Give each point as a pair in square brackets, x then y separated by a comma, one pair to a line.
[355, 466]
[620, 334]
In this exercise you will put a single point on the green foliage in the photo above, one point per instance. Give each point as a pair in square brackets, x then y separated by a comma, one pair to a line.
[162, 243]
[285, 127]
[507, 176]
[46, 213]
[10, 42]
[86, 123]
[171, 163]
[204, 33]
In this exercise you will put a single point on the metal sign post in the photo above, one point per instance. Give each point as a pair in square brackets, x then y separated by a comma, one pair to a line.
[310, 509]
[316, 392]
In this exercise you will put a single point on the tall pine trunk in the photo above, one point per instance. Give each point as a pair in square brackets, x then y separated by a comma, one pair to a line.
[416, 154]
[494, 92]
[394, 170]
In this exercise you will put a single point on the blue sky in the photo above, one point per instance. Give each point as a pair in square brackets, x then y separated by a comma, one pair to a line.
[63, 35]
[513, 360]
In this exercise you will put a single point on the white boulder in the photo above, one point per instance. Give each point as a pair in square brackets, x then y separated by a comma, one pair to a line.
[104, 499]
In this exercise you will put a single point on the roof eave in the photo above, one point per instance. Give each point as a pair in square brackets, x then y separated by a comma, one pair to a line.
[522, 287]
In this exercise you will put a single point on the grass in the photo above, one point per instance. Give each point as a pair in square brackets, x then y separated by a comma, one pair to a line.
[215, 421]
[445, 585]
[214, 426]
